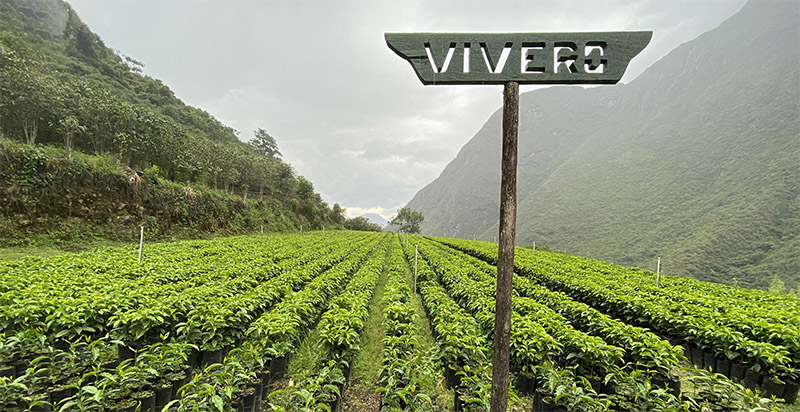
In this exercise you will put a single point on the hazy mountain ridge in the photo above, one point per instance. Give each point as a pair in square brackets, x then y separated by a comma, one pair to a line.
[376, 219]
[696, 160]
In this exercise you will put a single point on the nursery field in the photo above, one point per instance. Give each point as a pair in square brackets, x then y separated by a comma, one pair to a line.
[364, 321]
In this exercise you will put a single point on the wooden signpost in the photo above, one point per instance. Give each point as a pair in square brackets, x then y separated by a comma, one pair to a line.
[512, 59]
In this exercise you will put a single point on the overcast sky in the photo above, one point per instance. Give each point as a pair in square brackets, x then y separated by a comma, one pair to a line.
[348, 113]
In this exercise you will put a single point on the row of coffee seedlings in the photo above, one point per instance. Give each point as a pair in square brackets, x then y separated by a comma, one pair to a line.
[220, 324]
[216, 314]
[759, 315]
[218, 321]
[641, 349]
[23, 346]
[463, 338]
[541, 339]
[88, 376]
[239, 380]
[562, 274]
[79, 297]
[400, 372]
[593, 357]
[531, 345]
[762, 360]
[463, 347]
[242, 375]
[74, 295]
[339, 330]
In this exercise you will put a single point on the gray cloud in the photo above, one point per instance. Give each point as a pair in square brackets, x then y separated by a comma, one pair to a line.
[346, 111]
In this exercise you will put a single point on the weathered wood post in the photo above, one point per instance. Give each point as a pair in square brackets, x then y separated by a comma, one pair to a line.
[505, 251]
[512, 59]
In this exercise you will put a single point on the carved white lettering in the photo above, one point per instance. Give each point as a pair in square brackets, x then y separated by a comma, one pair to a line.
[498, 67]
[532, 58]
[446, 64]
[565, 56]
[595, 60]
[467, 48]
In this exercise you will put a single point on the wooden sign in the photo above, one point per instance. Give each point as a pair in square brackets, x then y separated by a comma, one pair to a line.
[525, 58]
[510, 59]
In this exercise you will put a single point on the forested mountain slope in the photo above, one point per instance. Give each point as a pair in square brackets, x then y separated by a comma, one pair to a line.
[152, 158]
[697, 160]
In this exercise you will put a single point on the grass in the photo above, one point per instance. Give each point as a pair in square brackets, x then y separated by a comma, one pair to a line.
[21, 252]
[307, 356]
[52, 248]
[432, 383]
[366, 367]
[789, 408]
[359, 394]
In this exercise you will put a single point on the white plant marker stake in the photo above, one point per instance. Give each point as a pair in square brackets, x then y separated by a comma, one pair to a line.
[415, 268]
[262, 229]
[141, 241]
[658, 273]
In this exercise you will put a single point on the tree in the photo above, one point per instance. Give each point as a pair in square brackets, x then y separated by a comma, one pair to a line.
[776, 285]
[265, 144]
[361, 223]
[26, 99]
[70, 126]
[408, 219]
[305, 189]
[337, 214]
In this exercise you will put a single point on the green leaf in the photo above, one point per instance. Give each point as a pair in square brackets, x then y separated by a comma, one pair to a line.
[217, 401]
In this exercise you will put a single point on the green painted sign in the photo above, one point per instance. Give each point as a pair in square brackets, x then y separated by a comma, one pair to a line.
[525, 58]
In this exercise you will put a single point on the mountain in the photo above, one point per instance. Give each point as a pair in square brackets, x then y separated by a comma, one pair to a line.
[697, 161]
[88, 144]
[376, 219]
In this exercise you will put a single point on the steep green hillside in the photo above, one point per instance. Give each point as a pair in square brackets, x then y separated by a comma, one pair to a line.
[697, 161]
[60, 86]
